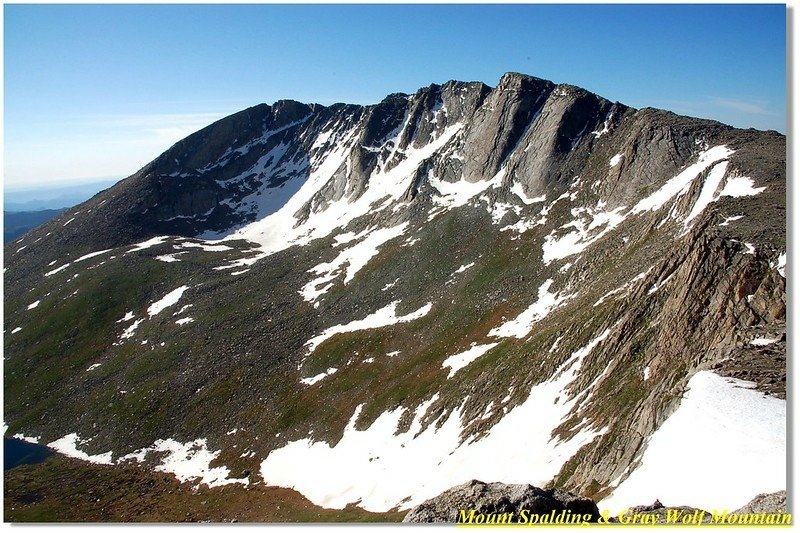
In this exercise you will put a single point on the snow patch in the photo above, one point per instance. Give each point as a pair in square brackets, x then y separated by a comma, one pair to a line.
[356, 257]
[68, 445]
[708, 193]
[54, 271]
[93, 254]
[128, 333]
[206, 247]
[728, 220]
[34, 305]
[740, 186]
[527, 200]
[720, 422]
[318, 377]
[169, 258]
[155, 241]
[188, 462]
[383, 317]
[781, 265]
[679, 185]
[463, 268]
[521, 326]
[371, 467]
[586, 232]
[171, 298]
[460, 360]
[762, 341]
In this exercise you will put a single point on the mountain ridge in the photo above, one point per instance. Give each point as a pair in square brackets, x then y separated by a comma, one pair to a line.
[527, 250]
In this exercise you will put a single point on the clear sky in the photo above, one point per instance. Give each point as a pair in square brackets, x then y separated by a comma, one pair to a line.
[93, 91]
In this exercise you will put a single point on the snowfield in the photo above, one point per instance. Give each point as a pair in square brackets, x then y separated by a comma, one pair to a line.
[725, 444]
[381, 470]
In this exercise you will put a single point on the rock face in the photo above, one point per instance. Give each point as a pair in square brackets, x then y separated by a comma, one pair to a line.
[497, 498]
[766, 503]
[428, 267]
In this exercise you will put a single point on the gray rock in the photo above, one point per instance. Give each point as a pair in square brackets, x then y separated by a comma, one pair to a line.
[765, 503]
[489, 498]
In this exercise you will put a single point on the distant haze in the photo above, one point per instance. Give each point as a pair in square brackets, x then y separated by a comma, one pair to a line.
[45, 196]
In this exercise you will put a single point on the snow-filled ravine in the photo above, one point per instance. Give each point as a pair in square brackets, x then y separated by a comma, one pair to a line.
[724, 445]
[381, 470]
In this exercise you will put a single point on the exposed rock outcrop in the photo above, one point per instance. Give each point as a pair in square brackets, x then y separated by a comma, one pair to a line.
[498, 498]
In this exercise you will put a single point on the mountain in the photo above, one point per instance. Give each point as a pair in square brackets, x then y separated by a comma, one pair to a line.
[371, 304]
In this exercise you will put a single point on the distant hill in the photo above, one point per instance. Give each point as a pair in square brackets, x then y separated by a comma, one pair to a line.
[49, 197]
[15, 224]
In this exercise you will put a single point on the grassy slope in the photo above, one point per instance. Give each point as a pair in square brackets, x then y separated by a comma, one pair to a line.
[67, 490]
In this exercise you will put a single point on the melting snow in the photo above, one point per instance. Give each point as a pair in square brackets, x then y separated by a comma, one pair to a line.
[781, 265]
[182, 321]
[59, 269]
[171, 298]
[20, 436]
[725, 444]
[318, 377]
[278, 230]
[385, 316]
[575, 242]
[708, 192]
[188, 462]
[762, 341]
[657, 286]
[128, 333]
[527, 200]
[93, 367]
[460, 360]
[554, 347]
[521, 326]
[463, 268]
[68, 445]
[728, 220]
[390, 285]
[740, 186]
[206, 247]
[624, 287]
[461, 192]
[169, 258]
[372, 466]
[93, 254]
[16, 330]
[680, 184]
[34, 305]
[155, 241]
[356, 257]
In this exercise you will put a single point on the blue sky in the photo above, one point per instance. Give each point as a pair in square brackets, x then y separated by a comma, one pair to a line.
[94, 91]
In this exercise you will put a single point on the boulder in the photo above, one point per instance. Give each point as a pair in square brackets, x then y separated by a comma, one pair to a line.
[490, 498]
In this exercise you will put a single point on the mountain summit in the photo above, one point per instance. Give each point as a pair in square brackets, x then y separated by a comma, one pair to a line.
[371, 304]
